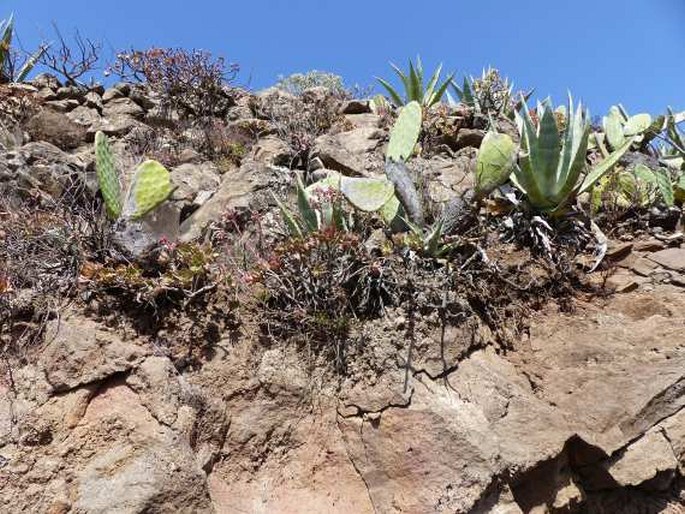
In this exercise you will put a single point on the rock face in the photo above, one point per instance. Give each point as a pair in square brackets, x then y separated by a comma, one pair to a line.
[585, 415]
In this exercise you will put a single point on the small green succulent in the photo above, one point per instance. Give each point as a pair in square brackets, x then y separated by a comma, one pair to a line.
[414, 88]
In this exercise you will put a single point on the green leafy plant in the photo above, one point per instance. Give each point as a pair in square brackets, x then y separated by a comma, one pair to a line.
[428, 241]
[640, 187]
[8, 59]
[490, 95]
[151, 185]
[318, 206]
[426, 94]
[552, 170]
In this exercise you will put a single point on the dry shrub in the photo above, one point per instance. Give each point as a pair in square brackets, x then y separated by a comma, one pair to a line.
[74, 60]
[17, 104]
[212, 138]
[314, 288]
[191, 82]
[42, 245]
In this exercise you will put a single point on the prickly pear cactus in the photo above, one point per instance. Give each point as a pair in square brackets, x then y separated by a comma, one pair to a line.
[108, 178]
[637, 124]
[495, 163]
[390, 210]
[619, 126]
[366, 194]
[150, 188]
[405, 133]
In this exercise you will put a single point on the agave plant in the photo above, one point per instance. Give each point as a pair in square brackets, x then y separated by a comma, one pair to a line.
[7, 71]
[414, 88]
[552, 167]
[490, 94]
[318, 209]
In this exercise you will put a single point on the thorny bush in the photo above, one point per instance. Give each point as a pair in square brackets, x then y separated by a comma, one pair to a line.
[17, 104]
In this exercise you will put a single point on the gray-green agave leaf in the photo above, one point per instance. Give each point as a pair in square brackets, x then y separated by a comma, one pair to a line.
[552, 167]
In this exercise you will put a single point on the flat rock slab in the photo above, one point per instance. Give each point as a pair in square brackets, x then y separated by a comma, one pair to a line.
[670, 258]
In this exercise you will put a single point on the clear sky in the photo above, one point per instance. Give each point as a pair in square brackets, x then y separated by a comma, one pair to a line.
[603, 51]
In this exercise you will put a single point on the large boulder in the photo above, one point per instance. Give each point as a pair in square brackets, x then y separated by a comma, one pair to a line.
[195, 184]
[353, 153]
[56, 128]
[248, 188]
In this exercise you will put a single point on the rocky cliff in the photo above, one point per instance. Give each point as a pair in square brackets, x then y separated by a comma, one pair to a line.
[539, 399]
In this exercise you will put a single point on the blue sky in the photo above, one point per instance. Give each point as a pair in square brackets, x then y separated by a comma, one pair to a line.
[603, 51]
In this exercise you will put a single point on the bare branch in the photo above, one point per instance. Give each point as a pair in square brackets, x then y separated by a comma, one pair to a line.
[72, 61]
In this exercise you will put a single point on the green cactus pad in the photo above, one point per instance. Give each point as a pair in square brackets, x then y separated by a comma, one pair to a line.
[496, 159]
[366, 194]
[637, 124]
[151, 187]
[405, 133]
[107, 176]
[390, 210]
[613, 126]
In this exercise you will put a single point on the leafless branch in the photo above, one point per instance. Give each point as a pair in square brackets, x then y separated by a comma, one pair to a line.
[72, 61]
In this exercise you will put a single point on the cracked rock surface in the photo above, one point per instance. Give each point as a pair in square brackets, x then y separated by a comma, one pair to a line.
[585, 415]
